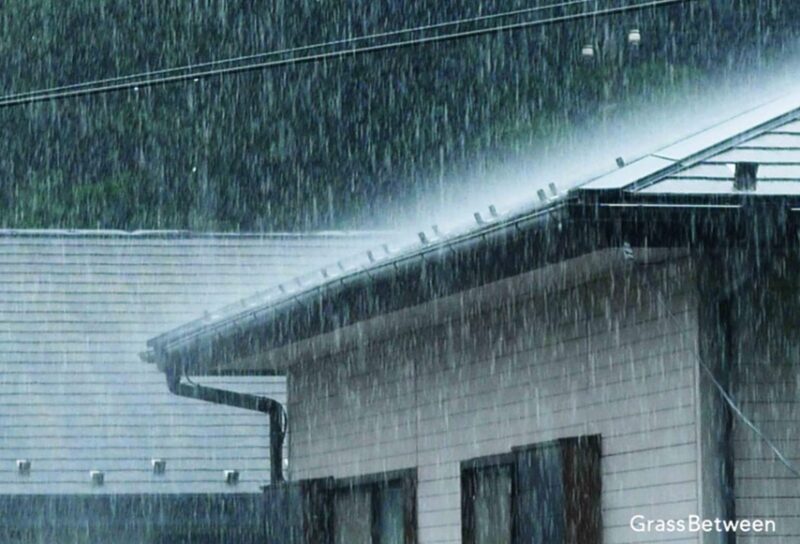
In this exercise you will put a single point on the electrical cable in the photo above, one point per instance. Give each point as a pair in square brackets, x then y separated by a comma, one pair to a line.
[732, 403]
[299, 49]
[351, 52]
[729, 400]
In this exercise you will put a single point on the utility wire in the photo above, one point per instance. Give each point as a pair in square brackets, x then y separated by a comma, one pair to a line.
[342, 53]
[729, 400]
[732, 403]
[300, 49]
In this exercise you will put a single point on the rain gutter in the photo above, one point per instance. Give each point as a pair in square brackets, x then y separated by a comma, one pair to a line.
[204, 339]
[257, 403]
[565, 229]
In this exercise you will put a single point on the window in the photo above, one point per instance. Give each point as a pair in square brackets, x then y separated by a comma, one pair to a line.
[545, 493]
[373, 509]
[370, 513]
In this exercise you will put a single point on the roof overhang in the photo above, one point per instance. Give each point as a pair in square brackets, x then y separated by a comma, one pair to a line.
[563, 231]
[637, 205]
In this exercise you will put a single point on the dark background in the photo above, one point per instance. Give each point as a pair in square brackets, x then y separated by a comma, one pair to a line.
[356, 143]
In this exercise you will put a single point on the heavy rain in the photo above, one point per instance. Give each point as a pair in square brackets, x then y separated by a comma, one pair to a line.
[490, 272]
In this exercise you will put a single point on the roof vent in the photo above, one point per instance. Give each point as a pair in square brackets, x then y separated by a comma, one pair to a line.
[493, 211]
[620, 162]
[159, 466]
[745, 176]
[97, 477]
[478, 219]
[24, 466]
[423, 237]
[231, 477]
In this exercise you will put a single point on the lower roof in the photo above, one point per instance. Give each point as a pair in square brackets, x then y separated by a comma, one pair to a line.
[76, 311]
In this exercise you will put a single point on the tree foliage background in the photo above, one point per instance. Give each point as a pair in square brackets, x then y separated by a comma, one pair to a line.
[327, 145]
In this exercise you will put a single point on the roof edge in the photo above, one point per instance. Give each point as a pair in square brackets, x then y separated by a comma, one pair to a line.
[178, 234]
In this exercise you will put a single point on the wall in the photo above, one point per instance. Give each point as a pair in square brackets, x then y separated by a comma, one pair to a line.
[766, 351]
[222, 518]
[76, 309]
[613, 354]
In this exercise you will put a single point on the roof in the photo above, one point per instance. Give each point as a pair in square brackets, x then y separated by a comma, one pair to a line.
[700, 165]
[641, 201]
[78, 307]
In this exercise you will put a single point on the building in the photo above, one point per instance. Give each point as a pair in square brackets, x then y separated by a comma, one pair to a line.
[622, 353]
[76, 309]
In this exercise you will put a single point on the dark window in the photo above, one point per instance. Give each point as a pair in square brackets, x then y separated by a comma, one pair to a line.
[489, 491]
[370, 513]
[374, 509]
[352, 515]
[545, 493]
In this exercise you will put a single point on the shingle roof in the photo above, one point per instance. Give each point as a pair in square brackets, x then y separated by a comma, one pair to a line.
[701, 164]
[75, 311]
[693, 169]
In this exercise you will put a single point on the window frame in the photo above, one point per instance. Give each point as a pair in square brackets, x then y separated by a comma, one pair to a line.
[470, 467]
[374, 483]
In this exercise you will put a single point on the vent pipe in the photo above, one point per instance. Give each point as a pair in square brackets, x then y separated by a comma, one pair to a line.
[745, 177]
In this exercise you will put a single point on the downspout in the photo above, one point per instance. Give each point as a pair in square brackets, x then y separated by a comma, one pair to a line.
[265, 405]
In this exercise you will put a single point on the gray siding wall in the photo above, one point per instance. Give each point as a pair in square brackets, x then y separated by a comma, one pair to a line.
[76, 310]
[767, 388]
[610, 355]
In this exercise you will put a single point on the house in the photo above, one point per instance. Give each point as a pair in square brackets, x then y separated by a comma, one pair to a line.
[93, 447]
[614, 364]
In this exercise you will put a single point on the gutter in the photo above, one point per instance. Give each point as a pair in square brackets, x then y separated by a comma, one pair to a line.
[278, 420]
[570, 227]
[556, 212]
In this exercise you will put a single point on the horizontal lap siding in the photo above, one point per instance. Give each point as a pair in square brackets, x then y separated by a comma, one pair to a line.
[766, 386]
[75, 312]
[605, 357]
[769, 394]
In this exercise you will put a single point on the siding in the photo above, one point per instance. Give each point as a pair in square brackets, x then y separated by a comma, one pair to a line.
[767, 387]
[132, 519]
[601, 357]
[75, 311]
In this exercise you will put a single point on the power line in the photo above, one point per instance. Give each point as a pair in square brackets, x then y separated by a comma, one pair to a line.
[732, 403]
[299, 49]
[332, 55]
[729, 400]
